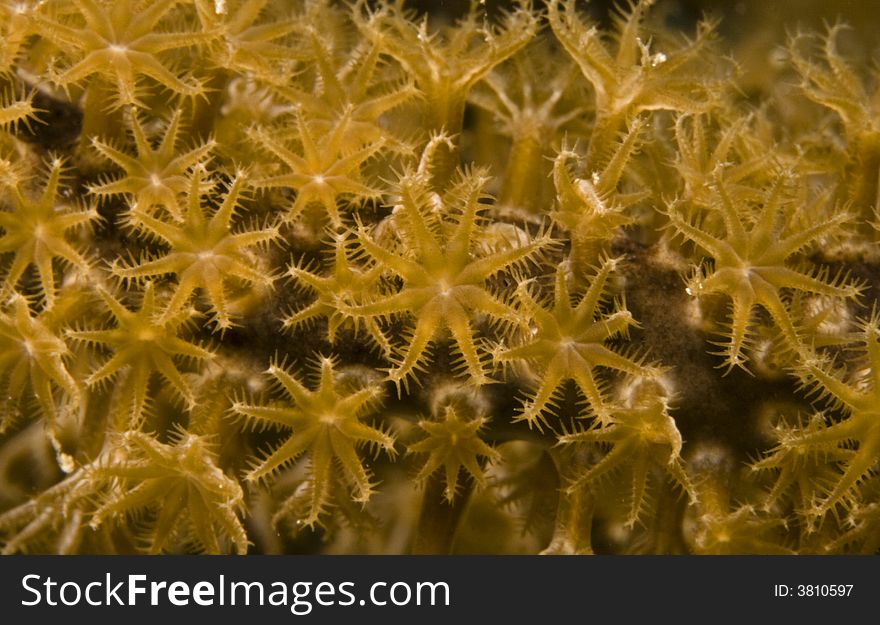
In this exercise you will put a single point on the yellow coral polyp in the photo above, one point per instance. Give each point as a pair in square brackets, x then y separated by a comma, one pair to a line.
[336, 277]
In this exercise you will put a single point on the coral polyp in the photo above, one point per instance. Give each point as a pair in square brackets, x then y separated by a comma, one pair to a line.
[542, 276]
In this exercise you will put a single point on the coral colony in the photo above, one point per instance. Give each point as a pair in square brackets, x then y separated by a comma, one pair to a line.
[314, 276]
